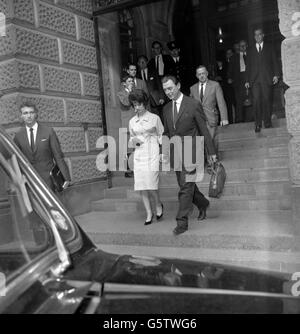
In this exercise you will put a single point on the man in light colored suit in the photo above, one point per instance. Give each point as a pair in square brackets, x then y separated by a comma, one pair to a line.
[138, 83]
[40, 145]
[210, 95]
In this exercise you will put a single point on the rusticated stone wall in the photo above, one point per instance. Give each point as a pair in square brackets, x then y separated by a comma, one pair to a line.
[289, 14]
[48, 57]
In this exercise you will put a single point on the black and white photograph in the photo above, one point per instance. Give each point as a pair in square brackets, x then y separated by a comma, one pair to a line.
[150, 159]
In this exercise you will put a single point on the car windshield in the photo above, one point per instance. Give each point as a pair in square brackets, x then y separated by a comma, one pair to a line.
[25, 217]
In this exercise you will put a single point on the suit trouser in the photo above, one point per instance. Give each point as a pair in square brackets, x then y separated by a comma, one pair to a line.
[213, 130]
[229, 96]
[188, 194]
[262, 103]
[240, 94]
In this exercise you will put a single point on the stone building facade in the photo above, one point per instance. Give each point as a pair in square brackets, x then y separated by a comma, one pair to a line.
[48, 57]
[289, 15]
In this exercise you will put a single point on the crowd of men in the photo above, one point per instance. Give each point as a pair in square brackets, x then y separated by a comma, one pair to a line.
[244, 75]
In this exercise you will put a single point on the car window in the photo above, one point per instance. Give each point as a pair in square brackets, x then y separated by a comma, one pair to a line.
[23, 237]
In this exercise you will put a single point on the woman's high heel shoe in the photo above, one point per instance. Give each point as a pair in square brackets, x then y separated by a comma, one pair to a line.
[158, 217]
[148, 222]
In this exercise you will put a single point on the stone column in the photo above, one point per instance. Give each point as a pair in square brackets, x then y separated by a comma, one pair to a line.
[289, 15]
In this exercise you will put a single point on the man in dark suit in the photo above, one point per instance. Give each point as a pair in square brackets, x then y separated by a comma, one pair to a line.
[262, 73]
[157, 96]
[40, 145]
[160, 64]
[237, 77]
[184, 116]
[179, 67]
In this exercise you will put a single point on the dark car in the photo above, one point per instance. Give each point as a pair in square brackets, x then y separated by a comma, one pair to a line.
[49, 265]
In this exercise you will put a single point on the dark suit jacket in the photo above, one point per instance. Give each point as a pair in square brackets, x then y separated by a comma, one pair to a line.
[234, 69]
[191, 121]
[154, 88]
[47, 150]
[168, 65]
[264, 66]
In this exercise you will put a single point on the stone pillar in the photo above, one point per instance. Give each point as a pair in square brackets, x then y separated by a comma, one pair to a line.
[289, 15]
[48, 57]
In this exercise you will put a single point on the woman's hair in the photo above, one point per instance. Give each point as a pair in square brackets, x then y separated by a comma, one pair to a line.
[125, 77]
[139, 96]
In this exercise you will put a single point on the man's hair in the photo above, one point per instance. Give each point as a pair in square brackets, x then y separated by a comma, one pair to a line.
[243, 41]
[260, 29]
[201, 66]
[142, 57]
[29, 105]
[130, 64]
[139, 96]
[166, 78]
[156, 42]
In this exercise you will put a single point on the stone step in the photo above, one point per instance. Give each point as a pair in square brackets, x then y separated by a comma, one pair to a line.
[279, 124]
[238, 175]
[228, 203]
[263, 152]
[250, 143]
[286, 262]
[249, 162]
[235, 131]
[261, 190]
[232, 176]
[224, 230]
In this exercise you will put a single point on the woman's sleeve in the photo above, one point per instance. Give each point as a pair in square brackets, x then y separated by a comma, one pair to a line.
[131, 133]
[160, 130]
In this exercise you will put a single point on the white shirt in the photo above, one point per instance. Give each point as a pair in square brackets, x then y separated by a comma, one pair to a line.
[242, 62]
[144, 74]
[35, 127]
[178, 102]
[176, 59]
[161, 65]
[204, 87]
[257, 46]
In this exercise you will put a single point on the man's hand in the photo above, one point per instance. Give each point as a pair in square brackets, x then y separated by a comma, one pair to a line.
[164, 158]
[230, 81]
[212, 159]
[275, 80]
[247, 85]
[136, 141]
[161, 101]
[224, 123]
[66, 184]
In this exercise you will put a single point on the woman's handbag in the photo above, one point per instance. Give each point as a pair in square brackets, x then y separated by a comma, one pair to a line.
[217, 180]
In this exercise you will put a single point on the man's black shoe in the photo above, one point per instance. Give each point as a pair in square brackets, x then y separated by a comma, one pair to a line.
[257, 129]
[179, 230]
[202, 213]
[128, 174]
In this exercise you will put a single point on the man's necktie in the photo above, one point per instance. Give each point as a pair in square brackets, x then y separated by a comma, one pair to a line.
[245, 57]
[31, 139]
[157, 63]
[175, 113]
[259, 48]
[202, 93]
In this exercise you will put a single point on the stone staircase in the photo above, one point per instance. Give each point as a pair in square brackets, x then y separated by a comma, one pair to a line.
[250, 225]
